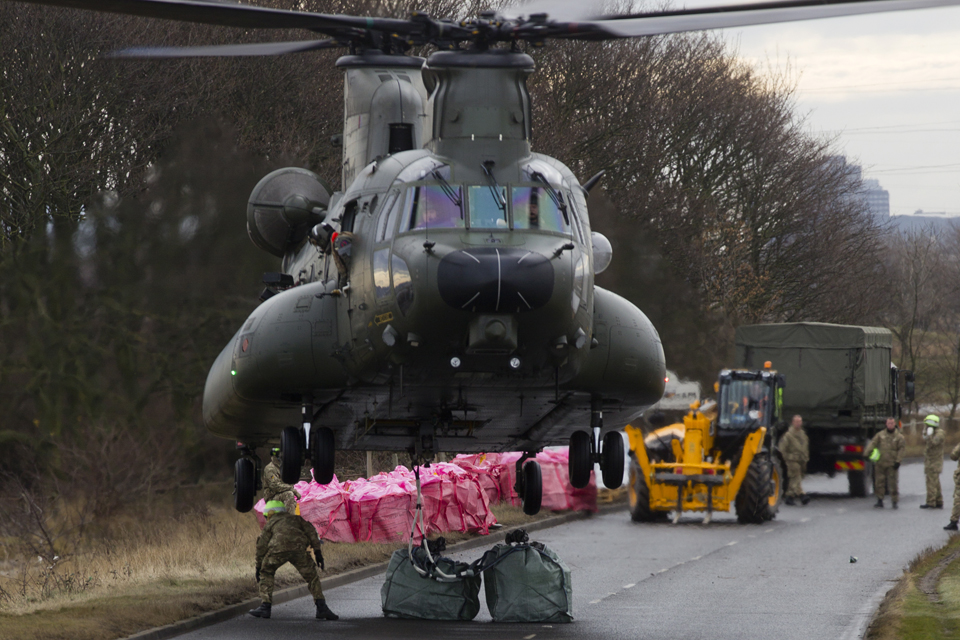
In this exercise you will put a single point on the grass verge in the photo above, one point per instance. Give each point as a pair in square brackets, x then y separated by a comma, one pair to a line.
[925, 603]
[156, 573]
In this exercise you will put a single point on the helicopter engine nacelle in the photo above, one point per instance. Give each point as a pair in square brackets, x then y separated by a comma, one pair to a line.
[283, 207]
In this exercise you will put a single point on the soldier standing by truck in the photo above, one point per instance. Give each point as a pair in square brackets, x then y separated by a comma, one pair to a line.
[795, 448]
[886, 467]
[933, 461]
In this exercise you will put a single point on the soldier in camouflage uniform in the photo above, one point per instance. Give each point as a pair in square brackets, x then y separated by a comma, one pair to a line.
[933, 461]
[955, 514]
[795, 448]
[284, 539]
[276, 489]
[886, 470]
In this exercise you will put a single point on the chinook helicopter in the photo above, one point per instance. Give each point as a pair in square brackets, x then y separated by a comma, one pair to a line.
[443, 298]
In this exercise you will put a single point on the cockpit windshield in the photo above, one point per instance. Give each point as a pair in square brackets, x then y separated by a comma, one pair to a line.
[488, 207]
[433, 207]
[745, 403]
[533, 208]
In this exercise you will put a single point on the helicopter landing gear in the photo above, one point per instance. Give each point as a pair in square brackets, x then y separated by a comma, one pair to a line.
[581, 459]
[322, 454]
[245, 479]
[611, 460]
[529, 483]
[291, 446]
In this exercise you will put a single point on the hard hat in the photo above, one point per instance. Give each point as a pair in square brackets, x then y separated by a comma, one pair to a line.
[275, 452]
[932, 420]
[272, 507]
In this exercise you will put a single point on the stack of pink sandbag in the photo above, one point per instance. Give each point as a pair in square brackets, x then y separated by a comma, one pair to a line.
[498, 474]
[382, 509]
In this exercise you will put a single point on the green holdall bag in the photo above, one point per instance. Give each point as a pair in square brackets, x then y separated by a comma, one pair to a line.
[527, 582]
[408, 594]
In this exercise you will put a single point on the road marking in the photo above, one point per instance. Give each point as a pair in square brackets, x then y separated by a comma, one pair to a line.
[596, 601]
[696, 557]
[630, 586]
[842, 510]
[530, 637]
[752, 535]
[804, 519]
[730, 544]
[768, 531]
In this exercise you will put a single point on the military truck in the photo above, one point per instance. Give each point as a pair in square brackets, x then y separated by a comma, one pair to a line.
[840, 379]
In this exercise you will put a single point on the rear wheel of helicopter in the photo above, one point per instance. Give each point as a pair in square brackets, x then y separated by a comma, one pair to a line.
[532, 488]
[322, 454]
[291, 449]
[611, 460]
[580, 461]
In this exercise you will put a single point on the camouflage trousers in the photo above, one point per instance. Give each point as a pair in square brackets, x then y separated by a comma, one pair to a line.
[301, 561]
[794, 478]
[934, 494]
[955, 514]
[886, 482]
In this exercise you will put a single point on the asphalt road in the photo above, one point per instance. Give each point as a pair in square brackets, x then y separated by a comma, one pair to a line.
[790, 578]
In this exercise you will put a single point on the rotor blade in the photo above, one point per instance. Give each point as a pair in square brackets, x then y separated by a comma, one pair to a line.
[741, 15]
[226, 50]
[235, 15]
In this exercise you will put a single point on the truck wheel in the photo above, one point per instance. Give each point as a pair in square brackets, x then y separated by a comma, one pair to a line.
[777, 477]
[532, 488]
[611, 460]
[322, 454]
[291, 448]
[639, 493]
[860, 482]
[757, 500]
[580, 464]
[244, 484]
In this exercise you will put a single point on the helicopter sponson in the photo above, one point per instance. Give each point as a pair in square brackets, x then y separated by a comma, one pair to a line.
[448, 292]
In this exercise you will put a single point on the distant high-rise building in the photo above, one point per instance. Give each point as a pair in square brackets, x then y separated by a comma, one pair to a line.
[877, 198]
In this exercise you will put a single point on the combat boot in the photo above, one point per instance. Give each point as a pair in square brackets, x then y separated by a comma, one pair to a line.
[952, 526]
[879, 504]
[927, 506]
[789, 501]
[263, 611]
[894, 505]
[804, 499]
[323, 611]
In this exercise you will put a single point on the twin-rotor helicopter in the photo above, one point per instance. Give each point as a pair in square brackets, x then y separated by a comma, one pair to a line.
[443, 299]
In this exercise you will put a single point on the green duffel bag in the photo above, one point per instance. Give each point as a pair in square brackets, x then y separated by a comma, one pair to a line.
[407, 594]
[527, 583]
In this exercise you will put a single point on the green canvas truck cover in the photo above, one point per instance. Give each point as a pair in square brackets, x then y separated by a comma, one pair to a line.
[828, 368]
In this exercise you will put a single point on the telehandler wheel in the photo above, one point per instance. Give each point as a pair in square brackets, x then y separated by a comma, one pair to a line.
[244, 484]
[322, 454]
[757, 500]
[580, 463]
[611, 460]
[639, 493]
[860, 482]
[291, 448]
[532, 488]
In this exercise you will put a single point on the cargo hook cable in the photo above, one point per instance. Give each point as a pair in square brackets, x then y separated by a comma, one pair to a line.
[434, 571]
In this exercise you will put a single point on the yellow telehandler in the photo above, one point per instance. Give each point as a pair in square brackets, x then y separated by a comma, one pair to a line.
[722, 454]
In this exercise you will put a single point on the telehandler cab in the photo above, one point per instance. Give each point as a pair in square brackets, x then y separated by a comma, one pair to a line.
[722, 454]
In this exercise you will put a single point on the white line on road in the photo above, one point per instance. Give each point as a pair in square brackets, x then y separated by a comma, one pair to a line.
[731, 543]
[630, 586]
[804, 519]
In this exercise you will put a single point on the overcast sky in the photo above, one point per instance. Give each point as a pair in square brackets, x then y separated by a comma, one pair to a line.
[888, 85]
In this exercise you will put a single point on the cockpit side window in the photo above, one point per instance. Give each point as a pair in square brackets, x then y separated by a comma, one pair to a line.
[388, 217]
[433, 207]
[533, 208]
[488, 207]
[574, 216]
[349, 216]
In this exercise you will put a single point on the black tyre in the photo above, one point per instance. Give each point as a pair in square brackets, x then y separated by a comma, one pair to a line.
[861, 482]
[639, 493]
[244, 484]
[532, 488]
[758, 498]
[611, 460]
[291, 460]
[322, 454]
[580, 463]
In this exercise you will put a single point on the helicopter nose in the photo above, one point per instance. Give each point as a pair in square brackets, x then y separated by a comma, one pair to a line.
[495, 280]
